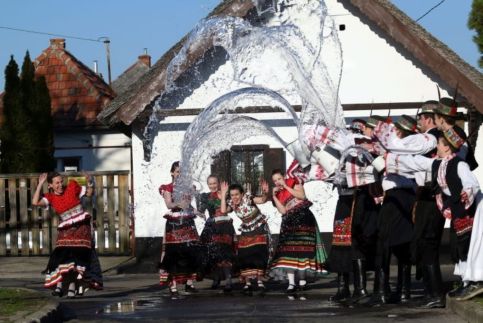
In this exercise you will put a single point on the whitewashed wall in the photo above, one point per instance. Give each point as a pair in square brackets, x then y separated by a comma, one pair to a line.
[374, 71]
[98, 159]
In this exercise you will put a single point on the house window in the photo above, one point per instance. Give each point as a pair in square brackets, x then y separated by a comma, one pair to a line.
[69, 164]
[247, 164]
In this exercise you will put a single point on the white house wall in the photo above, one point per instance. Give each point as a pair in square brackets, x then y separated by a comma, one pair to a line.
[92, 148]
[374, 71]
[149, 207]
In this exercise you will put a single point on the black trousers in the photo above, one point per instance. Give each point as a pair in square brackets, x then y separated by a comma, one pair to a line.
[428, 230]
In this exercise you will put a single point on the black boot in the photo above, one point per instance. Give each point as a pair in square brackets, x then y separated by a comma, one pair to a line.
[360, 280]
[216, 279]
[433, 287]
[343, 292]
[403, 286]
[382, 289]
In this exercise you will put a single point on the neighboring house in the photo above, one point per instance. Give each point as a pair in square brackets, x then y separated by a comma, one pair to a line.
[132, 74]
[390, 62]
[77, 95]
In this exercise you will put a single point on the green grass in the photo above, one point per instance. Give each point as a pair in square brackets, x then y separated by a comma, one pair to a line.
[478, 299]
[13, 301]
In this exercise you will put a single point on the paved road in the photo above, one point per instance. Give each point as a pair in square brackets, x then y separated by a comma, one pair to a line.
[138, 297]
[151, 305]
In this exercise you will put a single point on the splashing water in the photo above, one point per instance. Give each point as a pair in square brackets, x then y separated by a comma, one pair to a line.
[207, 135]
[300, 50]
[197, 152]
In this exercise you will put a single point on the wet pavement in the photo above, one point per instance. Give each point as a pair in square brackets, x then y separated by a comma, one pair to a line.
[155, 305]
[150, 304]
[128, 297]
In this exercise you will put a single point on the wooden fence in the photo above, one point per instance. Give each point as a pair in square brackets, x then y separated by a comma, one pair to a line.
[30, 231]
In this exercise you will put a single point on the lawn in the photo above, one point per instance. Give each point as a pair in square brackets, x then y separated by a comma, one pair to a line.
[13, 301]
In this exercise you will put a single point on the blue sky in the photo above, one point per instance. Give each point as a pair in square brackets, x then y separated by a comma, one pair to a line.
[158, 24]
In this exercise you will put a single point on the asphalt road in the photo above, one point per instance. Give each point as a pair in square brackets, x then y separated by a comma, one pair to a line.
[150, 304]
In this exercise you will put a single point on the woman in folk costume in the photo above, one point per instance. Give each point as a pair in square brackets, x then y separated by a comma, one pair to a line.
[69, 263]
[458, 197]
[300, 249]
[254, 241]
[180, 259]
[218, 235]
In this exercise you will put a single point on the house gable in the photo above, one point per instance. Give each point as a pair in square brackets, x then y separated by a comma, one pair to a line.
[132, 74]
[77, 93]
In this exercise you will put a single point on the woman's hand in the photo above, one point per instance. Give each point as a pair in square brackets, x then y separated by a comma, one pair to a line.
[265, 187]
[42, 178]
[275, 190]
[284, 184]
[223, 188]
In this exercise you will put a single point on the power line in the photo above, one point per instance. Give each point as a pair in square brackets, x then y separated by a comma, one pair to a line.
[427, 12]
[99, 40]
[102, 39]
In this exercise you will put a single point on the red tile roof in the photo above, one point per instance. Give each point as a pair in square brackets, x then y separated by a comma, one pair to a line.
[77, 93]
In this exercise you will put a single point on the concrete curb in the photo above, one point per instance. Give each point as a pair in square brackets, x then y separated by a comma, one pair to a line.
[467, 310]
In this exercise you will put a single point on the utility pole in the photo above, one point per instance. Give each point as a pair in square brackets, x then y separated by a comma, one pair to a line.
[107, 42]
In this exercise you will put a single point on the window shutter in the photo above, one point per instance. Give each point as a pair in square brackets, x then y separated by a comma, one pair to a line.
[221, 166]
[273, 158]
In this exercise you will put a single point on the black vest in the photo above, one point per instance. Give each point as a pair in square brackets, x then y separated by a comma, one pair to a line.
[455, 187]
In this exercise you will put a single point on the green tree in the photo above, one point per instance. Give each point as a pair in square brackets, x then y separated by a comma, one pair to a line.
[45, 125]
[26, 136]
[11, 104]
[475, 22]
[26, 130]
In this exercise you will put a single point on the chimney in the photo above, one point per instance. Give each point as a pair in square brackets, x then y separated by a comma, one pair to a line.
[57, 43]
[96, 69]
[145, 58]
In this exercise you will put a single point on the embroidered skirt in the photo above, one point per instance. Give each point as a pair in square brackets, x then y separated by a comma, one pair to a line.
[218, 240]
[253, 252]
[182, 256]
[300, 247]
[72, 255]
[340, 256]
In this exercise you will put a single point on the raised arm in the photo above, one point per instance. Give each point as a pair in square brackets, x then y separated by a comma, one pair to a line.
[420, 143]
[223, 191]
[404, 164]
[297, 191]
[36, 200]
[280, 207]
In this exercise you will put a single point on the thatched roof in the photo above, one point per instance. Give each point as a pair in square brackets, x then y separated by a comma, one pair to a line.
[396, 25]
[131, 74]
